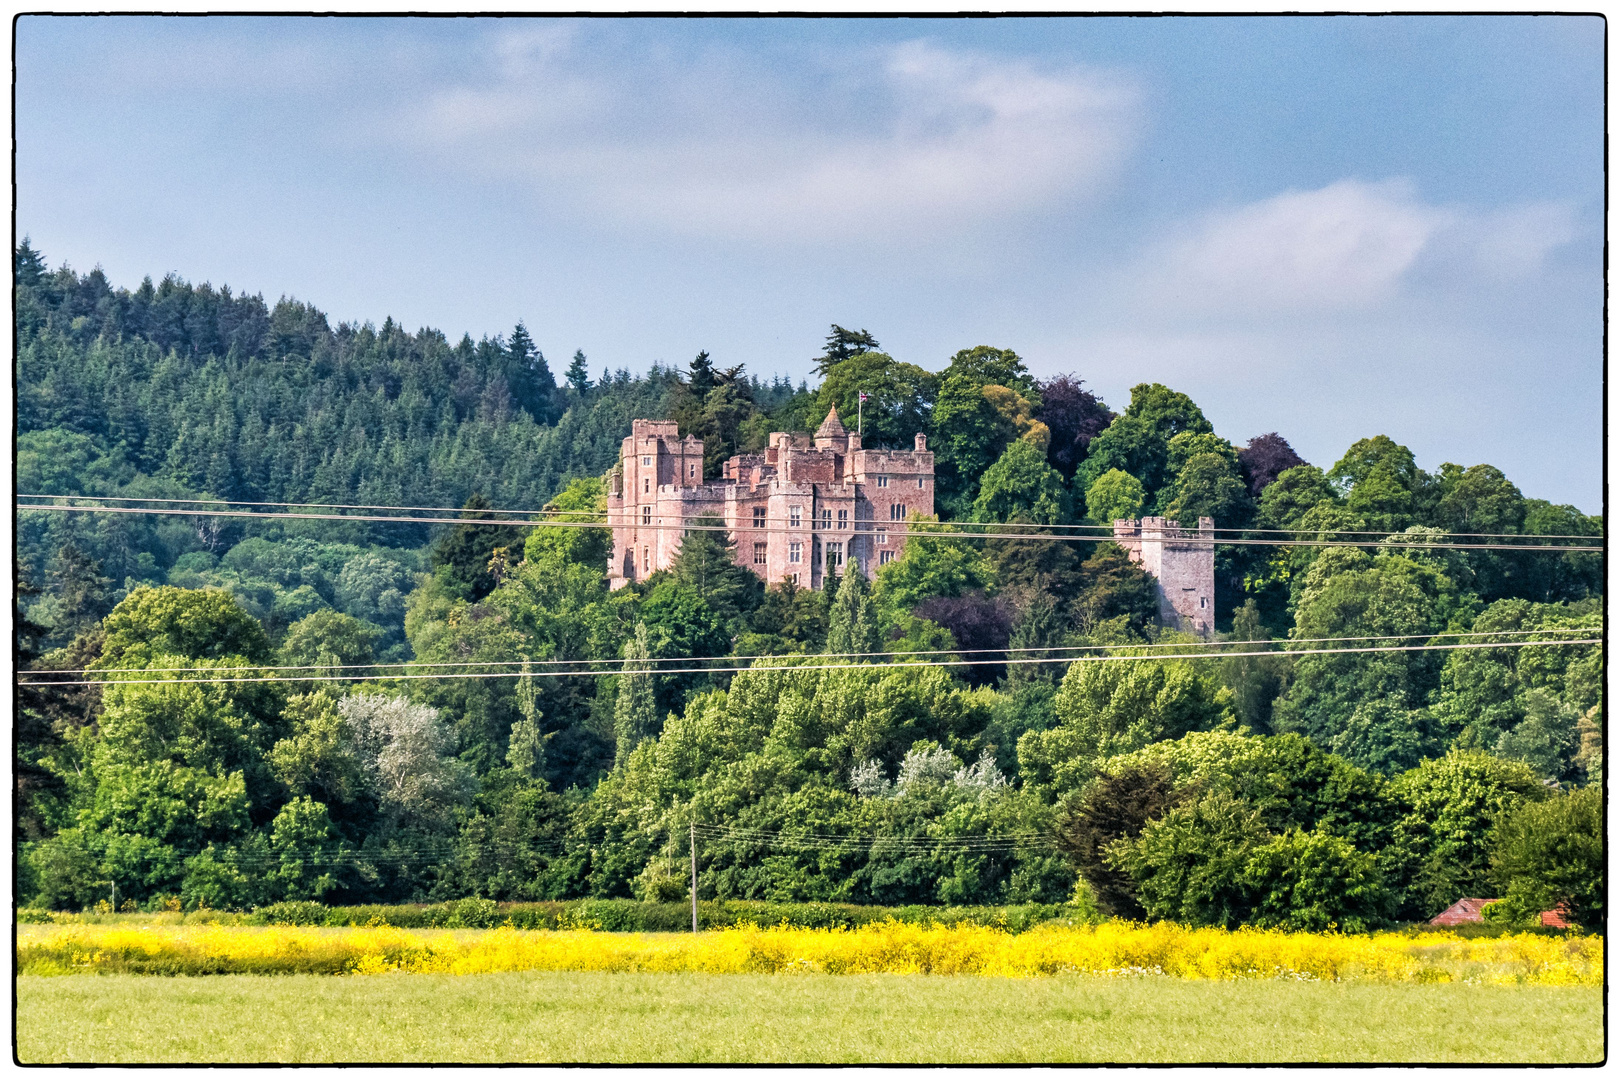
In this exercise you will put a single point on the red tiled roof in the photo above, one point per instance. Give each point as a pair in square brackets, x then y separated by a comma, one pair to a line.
[1468, 909]
[1471, 909]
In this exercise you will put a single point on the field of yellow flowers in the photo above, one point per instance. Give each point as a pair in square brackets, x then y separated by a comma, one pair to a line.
[1111, 949]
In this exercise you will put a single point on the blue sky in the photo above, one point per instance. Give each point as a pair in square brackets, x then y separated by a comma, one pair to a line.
[1332, 228]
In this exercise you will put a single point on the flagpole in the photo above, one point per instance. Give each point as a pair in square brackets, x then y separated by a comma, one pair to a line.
[860, 408]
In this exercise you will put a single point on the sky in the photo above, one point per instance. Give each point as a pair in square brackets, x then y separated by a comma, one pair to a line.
[1332, 228]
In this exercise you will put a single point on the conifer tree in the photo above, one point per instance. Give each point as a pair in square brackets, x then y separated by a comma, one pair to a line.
[634, 714]
[578, 377]
[852, 626]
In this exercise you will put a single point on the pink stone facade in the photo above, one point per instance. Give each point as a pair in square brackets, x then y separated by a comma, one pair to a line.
[1182, 561]
[804, 505]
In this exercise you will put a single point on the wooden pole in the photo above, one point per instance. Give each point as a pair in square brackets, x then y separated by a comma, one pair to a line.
[694, 877]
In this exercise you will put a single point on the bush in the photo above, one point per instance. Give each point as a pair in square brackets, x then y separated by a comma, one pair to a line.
[1317, 881]
[1551, 853]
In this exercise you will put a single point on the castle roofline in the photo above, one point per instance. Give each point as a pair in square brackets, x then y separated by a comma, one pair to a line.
[832, 427]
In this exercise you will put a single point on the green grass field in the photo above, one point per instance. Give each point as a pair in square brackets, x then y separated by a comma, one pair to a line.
[539, 1017]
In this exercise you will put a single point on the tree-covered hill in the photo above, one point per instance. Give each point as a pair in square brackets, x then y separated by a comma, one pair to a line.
[1295, 787]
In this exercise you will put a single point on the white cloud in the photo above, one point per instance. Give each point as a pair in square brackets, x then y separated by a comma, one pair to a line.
[1350, 245]
[1343, 245]
[900, 143]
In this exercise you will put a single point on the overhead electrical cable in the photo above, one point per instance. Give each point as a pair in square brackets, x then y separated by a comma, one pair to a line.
[600, 523]
[900, 528]
[1291, 653]
[1282, 644]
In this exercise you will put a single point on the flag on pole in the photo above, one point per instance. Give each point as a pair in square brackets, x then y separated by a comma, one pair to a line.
[863, 395]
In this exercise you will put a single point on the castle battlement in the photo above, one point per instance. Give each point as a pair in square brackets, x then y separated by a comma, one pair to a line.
[799, 509]
[1182, 562]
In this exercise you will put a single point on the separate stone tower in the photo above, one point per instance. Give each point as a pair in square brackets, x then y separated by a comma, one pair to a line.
[1182, 561]
[799, 510]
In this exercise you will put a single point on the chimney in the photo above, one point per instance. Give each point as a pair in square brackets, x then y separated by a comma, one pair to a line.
[922, 442]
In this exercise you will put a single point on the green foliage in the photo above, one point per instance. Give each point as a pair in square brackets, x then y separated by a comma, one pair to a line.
[1022, 486]
[475, 557]
[900, 397]
[1113, 496]
[1452, 807]
[583, 500]
[1317, 882]
[1368, 707]
[1115, 592]
[328, 641]
[1114, 806]
[930, 567]
[852, 623]
[1113, 707]
[1138, 442]
[1550, 853]
[191, 624]
[1191, 865]
[635, 714]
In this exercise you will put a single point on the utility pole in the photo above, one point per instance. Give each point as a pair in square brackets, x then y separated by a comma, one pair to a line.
[694, 877]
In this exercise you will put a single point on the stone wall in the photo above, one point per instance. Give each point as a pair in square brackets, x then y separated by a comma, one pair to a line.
[1182, 562]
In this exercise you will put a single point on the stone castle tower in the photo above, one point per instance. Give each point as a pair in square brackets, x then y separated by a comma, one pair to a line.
[798, 510]
[1182, 562]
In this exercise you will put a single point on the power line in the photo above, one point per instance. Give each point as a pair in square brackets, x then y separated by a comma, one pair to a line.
[905, 528]
[805, 667]
[1106, 530]
[792, 656]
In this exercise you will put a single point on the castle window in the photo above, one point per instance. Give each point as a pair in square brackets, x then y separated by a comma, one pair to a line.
[646, 485]
[646, 515]
[795, 579]
[883, 481]
[826, 519]
[793, 516]
[882, 537]
[646, 560]
[759, 517]
[1203, 601]
[919, 481]
[885, 558]
[646, 460]
[897, 511]
[759, 554]
[795, 555]
[691, 470]
[835, 554]
[843, 519]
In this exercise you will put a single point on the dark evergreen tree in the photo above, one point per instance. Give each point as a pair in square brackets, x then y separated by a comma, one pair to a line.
[530, 380]
[843, 344]
[701, 375]
[578, 377]
[465, 554]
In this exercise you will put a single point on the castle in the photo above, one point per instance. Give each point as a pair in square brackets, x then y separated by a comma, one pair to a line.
[1182, 562]
[799, 510]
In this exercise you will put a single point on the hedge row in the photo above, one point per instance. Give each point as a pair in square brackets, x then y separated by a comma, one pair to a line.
[613, 915]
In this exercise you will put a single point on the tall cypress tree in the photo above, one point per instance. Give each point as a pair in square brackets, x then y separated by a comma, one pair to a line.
[635, 712]
[852, 626]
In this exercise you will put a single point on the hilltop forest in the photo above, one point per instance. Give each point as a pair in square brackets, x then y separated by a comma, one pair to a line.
[1285, 788]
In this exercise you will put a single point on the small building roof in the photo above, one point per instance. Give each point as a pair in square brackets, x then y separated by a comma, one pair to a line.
[1468, 909]
[832, 427]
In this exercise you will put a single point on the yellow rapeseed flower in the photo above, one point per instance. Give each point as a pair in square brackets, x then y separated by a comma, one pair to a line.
[1116, 949]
